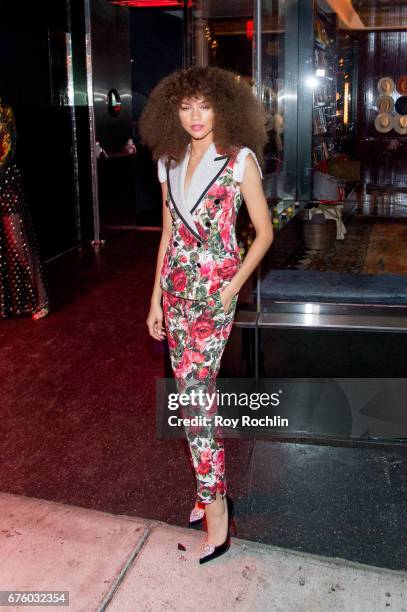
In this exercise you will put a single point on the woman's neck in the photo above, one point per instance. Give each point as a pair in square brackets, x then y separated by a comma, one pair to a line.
[200, 146]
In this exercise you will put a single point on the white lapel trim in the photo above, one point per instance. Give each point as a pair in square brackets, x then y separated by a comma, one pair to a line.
[173, 182]
[206, 173]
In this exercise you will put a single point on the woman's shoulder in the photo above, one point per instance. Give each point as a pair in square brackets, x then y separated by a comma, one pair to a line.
[240, 163]
[165, 163]
[163, 160]
[162, 168]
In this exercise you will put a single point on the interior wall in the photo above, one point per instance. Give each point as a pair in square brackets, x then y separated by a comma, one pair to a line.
[111, 70]
[157, 39]
[32, 39]
[380, 54]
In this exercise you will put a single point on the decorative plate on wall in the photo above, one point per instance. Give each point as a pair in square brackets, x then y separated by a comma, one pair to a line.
[401, 105]
[385, 104]
[402, 85]
[400, 124]
[384, 122]
[385, 86]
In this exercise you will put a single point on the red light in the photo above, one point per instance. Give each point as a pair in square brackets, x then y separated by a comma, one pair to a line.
[249, 28]
[148, 3]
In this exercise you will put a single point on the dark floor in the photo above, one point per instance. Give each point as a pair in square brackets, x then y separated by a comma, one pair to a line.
[78, 420]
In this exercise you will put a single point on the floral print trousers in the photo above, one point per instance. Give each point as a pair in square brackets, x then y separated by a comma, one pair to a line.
[197, 333]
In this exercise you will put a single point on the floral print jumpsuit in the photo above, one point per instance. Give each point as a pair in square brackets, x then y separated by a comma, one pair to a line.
[200, 261]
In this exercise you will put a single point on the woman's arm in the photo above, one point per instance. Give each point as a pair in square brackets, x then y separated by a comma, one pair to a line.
[252, 190]
[165, 237]
[155, 316]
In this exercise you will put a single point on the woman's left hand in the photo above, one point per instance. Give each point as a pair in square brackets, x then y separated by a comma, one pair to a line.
[226, 297]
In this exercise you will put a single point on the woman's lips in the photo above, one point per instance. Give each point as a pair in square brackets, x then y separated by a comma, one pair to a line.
[197, 127]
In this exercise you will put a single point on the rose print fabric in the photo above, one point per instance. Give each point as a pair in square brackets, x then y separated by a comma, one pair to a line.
[201, 259]
[197, 332]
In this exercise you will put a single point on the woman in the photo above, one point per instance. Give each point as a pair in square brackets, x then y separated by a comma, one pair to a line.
[22, 287]
[207, 132]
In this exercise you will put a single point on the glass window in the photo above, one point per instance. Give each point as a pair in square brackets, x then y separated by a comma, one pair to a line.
[273, 96]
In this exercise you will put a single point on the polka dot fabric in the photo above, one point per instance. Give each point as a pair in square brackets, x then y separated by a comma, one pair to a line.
[22, 283]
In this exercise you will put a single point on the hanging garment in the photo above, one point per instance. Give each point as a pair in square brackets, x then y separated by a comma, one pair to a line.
[22, 285]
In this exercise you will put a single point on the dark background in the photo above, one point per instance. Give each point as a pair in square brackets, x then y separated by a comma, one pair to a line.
[29, 31]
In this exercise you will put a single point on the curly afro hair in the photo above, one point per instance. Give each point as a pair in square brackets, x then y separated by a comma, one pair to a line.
[239, 118]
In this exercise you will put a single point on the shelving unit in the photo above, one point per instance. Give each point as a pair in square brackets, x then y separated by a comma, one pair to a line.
[324, 97]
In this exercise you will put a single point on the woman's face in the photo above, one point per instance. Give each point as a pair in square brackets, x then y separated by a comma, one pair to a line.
[196, 116]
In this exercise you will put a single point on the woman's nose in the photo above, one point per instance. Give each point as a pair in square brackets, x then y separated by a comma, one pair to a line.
[195, 113]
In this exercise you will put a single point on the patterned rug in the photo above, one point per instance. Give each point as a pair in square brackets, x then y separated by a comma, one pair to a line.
[387, 250]
[370, 247]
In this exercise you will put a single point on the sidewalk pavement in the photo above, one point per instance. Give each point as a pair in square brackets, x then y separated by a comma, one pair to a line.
[126, 564]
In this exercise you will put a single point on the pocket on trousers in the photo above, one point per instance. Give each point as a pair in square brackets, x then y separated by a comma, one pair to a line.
[232, 303]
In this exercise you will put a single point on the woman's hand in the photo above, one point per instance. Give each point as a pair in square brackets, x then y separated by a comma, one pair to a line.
[155, 321]
[226, 297]
[155, 316]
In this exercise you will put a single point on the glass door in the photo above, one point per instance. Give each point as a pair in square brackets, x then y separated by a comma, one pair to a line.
[273, 96]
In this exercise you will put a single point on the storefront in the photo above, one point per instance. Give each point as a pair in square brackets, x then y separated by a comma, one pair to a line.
[329, 74]
[324, 71]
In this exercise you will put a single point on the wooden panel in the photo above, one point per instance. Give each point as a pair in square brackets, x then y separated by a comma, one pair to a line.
[380, 54]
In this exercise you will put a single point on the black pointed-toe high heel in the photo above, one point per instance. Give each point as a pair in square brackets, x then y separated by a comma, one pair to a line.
[210, 551]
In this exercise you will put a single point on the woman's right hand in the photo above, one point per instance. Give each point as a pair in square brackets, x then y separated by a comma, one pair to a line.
[155, 322]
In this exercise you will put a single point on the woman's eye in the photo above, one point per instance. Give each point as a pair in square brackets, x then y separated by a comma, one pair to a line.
[204, 107]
